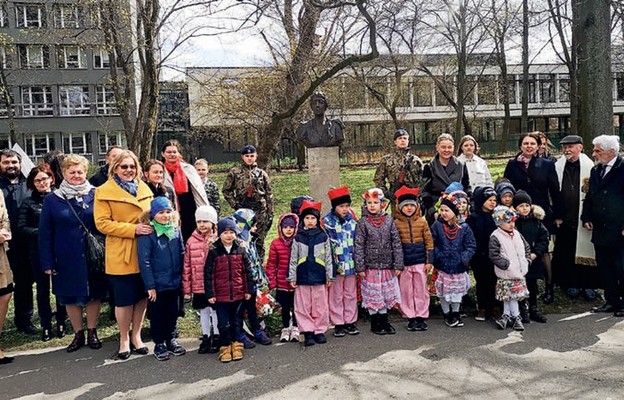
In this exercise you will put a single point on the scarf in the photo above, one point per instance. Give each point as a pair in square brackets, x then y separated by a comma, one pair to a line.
[524, 160]
[168, 230]
[129, 186]
[67, 191]
[180, 183]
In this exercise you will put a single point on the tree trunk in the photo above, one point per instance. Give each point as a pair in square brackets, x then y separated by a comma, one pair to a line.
[595, 80]
[575, 120]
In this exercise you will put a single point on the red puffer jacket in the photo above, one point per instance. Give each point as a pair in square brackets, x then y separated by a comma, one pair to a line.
[279, 256]
[227, 277]
[197, 247]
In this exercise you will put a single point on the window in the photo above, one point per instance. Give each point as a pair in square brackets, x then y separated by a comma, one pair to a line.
[37, 101]
[105, 100]
[39, 144]
[100, 58]
[4, 110]
[4, 18]
[486, 89]
[74, 100]
[76, 143]
[564, 88]
[71, 57]
[532, 88]
[107, 140]
[30, 15]
[422, 92]
[547, 88]
[5, 57]
[34, 56]
[66, 16]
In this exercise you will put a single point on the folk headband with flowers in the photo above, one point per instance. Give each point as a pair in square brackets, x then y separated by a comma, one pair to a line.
[502, 214]
[374, 193]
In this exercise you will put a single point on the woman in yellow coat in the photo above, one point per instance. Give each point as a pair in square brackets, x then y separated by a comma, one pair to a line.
[118, 205]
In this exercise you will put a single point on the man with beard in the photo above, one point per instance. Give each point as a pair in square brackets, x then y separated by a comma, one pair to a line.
[574, 260]
[13, 186]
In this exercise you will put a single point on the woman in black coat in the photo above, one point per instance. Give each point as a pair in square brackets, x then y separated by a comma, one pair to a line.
[40, 181]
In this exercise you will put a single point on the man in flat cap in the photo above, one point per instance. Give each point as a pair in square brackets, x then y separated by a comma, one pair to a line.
[248, 186]
[574, 261]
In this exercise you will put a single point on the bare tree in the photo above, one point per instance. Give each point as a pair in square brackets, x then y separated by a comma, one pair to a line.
[6, 97]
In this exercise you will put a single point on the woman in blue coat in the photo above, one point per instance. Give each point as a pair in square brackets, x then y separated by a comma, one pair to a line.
[63, 246]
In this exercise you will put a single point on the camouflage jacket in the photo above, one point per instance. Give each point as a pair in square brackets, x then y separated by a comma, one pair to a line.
[389, 170]
[248, 186]
[212, 191]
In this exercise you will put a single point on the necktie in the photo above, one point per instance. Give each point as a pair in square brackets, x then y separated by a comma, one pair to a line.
[603, 171]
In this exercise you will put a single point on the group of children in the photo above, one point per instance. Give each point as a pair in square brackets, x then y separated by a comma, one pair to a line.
[321, 268]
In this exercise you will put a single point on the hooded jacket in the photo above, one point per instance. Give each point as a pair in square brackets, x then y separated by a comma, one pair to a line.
[377, 247]
[452, 256]
[245, 221]
[535, 233]
[227, 276]
[416, 238]
[482, 225]
[510, 254]
[279, 256]
[310, 258]
[341, 232]
[197, 247]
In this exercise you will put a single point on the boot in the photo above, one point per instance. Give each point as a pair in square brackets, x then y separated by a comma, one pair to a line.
[78, 342]
[93, 340]
[309, 339]
[536, 315]
[237, 351]
[376, 326]
[225, 353]
[524, 312]
[549, 295]
[204, 345]
[386, 325]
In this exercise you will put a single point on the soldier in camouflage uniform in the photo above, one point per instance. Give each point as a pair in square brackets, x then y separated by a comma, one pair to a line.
[212, 189]
[248, 186]
[398, 168]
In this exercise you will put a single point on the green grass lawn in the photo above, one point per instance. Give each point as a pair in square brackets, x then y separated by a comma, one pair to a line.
[286, 185]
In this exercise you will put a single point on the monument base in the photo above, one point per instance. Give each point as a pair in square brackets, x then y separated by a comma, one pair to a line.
[324, 173]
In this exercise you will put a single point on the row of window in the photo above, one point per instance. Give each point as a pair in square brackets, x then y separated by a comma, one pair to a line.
[38, 101]
[36, 15]
[38, 144]
[67, 57]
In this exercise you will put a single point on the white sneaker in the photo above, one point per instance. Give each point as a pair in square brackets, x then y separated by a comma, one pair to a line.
[294, 334]
[285, 336]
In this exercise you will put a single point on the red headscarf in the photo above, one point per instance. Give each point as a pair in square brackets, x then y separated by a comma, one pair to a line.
[180, 183]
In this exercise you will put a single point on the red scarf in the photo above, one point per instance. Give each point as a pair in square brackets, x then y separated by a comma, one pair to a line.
[180, 183]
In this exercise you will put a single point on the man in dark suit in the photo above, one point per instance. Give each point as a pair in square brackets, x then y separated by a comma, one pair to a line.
[603, 214]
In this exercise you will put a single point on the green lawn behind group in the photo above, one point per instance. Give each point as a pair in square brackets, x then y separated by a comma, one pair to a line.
[286, 185]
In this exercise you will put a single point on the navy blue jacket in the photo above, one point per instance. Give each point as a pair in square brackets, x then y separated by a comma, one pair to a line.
[452, 256]
[482, 225]
[160, 261]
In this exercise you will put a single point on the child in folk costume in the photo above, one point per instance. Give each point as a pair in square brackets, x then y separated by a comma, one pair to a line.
[378, 260]
[197, 247]
[454, 246]
[310, 273]
[340, 225]
[277, 271]
[511, 255]
[417, 248]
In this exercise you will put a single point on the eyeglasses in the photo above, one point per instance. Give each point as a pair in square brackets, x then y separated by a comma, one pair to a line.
[127, 166]
[42, 180]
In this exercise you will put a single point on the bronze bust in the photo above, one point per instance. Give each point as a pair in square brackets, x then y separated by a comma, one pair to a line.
[320, 131]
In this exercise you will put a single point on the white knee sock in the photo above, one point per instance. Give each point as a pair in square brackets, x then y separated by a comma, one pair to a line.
[446, 306]
[204, 319]
[455, 307]
[514, 308]
[506, 308]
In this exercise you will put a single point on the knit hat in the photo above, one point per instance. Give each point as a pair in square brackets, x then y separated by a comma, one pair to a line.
[451, 202]
[206, 213]
[310, 208]
[248, 149]
[374, 193]
[521, 197]
[502, 214]
[288, 220]
[405, 196]
[504, 187]
[339, 196]
[400, 132]
[227, 223]
[158, 204]
[295, 203]
[454, 187]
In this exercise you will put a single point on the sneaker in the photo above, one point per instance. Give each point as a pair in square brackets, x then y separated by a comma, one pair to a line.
[294, 334]
[589, 294]
[247, 343]
[262, 338]
[460, 321]
[352, 329]
[517, 324]
[320, 338]
[480, 316]
[536, 315]
[450, 320]
[175, 348]
[503, 321]
[285, 335]
[411, 324]
[339, 331]
[420, 325]
[160, 352]
[572, 293]
[204, 345]
[309, 339]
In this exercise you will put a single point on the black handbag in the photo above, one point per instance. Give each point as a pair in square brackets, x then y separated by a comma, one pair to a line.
[95, 250]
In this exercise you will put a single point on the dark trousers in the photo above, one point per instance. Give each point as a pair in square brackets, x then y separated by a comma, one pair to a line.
[532, 286]
[250, 307]
[164, 315]
[485, 278]
[24, 279]
[43, 302]
[611, 265]
[287, 301]
[227, 316]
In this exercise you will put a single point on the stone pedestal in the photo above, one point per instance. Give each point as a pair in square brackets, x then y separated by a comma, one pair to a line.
[324, 173]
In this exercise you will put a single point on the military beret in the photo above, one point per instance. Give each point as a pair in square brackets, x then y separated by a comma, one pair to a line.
[248, 149]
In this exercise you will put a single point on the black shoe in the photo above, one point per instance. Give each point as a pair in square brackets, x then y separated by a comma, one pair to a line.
[122, 355]
[175, 348]
[204, 345]
[320, 338]
[214, 345]
[411, 324]
[78, 342]
[6, 360]
[309, 339]
[376, 325]
[61, 331]
[549, 295]
[450, 320]
[46, 335]
[28, 329]
[386, 325]
[160, 352]
[460, 321]
[605, 308]
[339, 331]
[93, 340]
[141, 350]
[536, 315]
[351, 329]
[420, 325]
[524, 312]
[618, 314]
